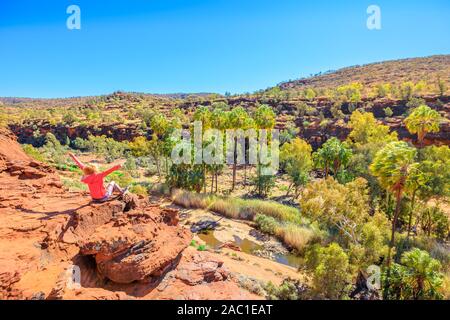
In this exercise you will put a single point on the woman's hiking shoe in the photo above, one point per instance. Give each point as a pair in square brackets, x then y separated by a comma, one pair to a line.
[126, 190]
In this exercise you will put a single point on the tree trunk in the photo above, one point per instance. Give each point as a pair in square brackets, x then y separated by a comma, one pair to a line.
[216, 175]
[204, 178]
[245, 173]
[388, 200]
[167, 166]
[234, 164]
[158, 168]
[392, 242]
[413, 199]
[289, 189]
[336, 167]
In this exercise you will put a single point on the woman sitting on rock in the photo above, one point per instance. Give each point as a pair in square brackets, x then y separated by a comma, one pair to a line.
[95, 183]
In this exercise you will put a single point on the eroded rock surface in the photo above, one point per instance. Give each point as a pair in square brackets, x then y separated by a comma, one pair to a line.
[46, 231]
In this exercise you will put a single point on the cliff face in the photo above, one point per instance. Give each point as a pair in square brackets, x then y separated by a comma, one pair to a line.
[49, 235]
[309, 125]
[316, 134]
[119, 132]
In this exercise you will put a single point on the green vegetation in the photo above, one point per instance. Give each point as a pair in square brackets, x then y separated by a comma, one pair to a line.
[342, 205]
[332, 156]
[288, 290]
[418, 277]
[330, 267]
[295, 158]
[392, 166]
[423, 120]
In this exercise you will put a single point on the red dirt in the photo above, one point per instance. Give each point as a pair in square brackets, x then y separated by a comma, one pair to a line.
[139, 254]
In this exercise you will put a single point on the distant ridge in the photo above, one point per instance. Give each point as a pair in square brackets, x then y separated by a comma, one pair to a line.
[393, 71]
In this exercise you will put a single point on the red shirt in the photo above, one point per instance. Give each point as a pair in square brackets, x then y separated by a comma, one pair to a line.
[95, 181]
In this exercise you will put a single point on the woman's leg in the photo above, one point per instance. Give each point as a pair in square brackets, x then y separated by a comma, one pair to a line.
[113, 186]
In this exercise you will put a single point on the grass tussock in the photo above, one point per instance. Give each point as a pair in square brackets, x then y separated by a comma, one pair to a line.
[237, 208]
[296, 236]
[446, 286]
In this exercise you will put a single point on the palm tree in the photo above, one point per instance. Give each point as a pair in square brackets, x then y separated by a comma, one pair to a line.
[159, 125]
[422, 273]
[333, 155]
[237, 119]
[391, 166]
[219, 121]
[264, 119]
[416, 180]
[203, 115]
[423, 120]
[249, 123]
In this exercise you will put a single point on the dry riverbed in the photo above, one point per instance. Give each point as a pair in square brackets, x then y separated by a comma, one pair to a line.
[252, 256]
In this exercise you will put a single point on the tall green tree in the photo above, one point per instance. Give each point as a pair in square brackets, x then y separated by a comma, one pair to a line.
[237, 119]
[392, 166]
[203, 114]
[417, 179]
[264, 118]
[333, 155]
[219, 121]
[423, 120]
[249, 123]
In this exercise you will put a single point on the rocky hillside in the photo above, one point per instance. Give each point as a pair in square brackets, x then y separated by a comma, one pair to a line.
[141, 253]
[395, 72]
[316, 128]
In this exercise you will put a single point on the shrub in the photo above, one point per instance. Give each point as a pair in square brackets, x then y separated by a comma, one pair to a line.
[388, 112]
[296, 159]
[266, 224]
[122, 178]
[330, 271]
[263, 183]
[295, 236]
[289, 289]
[337, 207]
[161, 188]
[101, 145]
[139, 190]
[33, 152]
[407, 90]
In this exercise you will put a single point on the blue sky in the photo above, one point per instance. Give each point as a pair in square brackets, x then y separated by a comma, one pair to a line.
[167, 46]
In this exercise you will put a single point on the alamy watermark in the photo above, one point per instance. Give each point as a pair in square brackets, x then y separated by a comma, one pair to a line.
[73, 277]
[215, 147]
[73, 22]
[374, 280]
[374, 19]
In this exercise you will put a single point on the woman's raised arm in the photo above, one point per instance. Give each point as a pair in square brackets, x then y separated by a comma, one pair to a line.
[78, 162]
[110, 170]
